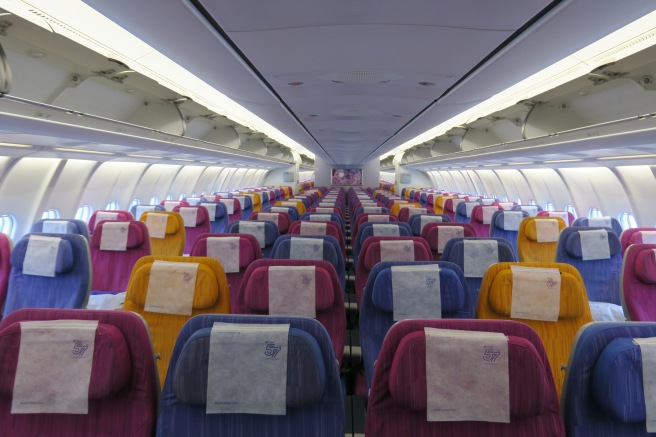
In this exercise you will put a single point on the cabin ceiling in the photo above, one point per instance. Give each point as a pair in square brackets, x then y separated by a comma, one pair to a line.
[349, 81]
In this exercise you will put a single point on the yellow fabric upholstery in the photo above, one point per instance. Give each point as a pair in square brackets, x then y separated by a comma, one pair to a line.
[211, 296]
[397, 207]
[528, 248]
[256, 200]
[438, 204]
[174, 241]
[298, 205]
[494, 302]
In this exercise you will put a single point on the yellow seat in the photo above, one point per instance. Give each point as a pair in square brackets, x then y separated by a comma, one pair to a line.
[211, 296]
[396, 207]
[529, 248]
[300, 207]
[438, 203]
[173, 242]
[494, 302]
[256, 200]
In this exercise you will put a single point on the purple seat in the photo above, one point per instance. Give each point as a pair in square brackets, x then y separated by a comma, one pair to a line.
[639, 283]
[193, 230]
[102, 215]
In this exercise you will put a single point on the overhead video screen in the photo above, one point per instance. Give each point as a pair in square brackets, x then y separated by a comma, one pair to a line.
[347, 176]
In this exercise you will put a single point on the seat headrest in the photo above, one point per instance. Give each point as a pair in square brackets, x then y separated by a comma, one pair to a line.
[201, 214]
[617, 381]
[452, 293]
[256, 290]
[306, 371]
[645, 266]
[373, 255]
[573, 244]
[246, 251]
[136, 236]
[499, 220]
[71, 228]
[65, 260]
[111, 370]
[573, 300]
[529, 384]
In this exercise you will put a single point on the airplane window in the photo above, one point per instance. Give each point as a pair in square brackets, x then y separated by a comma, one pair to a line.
[183, 196]
[504, 199]
[518, 200]
[112, 206]
[194, 194]
[134, 202]
[7, 224]
[549, 206]
[203, 193]
[169, 197]
[532, 202]
[154, 200]
[84, 213]
[595, 212]
[52, 213]
[570, 208]
[627, 220]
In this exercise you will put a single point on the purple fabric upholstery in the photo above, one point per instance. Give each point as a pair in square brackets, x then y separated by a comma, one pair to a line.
[121, 215]
[639, 283]
[192, 232]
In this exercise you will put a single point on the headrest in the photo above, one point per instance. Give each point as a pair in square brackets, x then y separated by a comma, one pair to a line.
[201, 214]
[617, 381]
[373, 255]
[136, 236]
[306, 371]
[499, 220]
[644, 267]
[256, 290]
[70, 227]
[573, 300]
[452, 292]
[172, 224]
[531, 229]
[219, 211]
[573, 243]
[407, 380]
[111, 370]
[206, 293]
[65, 255]
[246, 252]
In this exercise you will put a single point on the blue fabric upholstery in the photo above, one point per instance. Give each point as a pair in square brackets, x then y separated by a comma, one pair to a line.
[133, 210]
[497, 229]
[246, 205]
[271, 234]
[602, 394]
[615, 224]
[220, 223]
[72, 226]
[461, 212]
[376, 314]
[415, 222]
[70, 286]
[454, 251]
[314, 390]
[366, 230]
[602, 276]
[293, 212]
[331, 252]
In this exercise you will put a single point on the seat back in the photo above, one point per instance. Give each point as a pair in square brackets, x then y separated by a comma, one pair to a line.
[170, 204]
[5, 266]
[256, 200]
[533, 210]
[372, 217]
[439, 203]
[637, 236]
[438, 234]
[281, 219]
[246, 204]
[196, 222]
[603, 222]
[210, 295]
[638, 282]
[323, 247]
[377, 249]
[603, 392]
[61, 226]
[600, 274]
[123, 387]
[325, 218]
[101, 215]
[314, 399]
[137, 210]
[300, 207]
[537, 242]
[464, 211]
[121, 259]
[450, 207]
[167, 236]
[495, 302]
[373, 229]
[481, 218]
[405, 213]
[233, 208]
[505, 224]
[265, 232]
[259, 289]
[377, 314]
[308, 227]
[398, 398]
[419, 221]
[291, 211]
[565, 215]
[49, 271]
[397, 207]
[218, 213]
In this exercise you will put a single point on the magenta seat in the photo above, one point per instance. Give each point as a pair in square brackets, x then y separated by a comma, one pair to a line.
[202, 225]
[100, 215]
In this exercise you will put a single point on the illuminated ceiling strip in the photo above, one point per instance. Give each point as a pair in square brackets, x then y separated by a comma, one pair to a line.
[96, 152]
[605, 158]
[145, 156]
[79, 22]
[562, 160]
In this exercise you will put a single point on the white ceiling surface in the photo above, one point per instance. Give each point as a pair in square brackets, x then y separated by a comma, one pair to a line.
[362, 44]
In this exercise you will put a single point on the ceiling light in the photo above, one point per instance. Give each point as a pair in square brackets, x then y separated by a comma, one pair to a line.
[145, 156]
[209, 162]
[626, 157]
[182, 159]
[79, 22]
[556, 161]
[491, 165]
[521, 163]
[426, 83]
[63, 149]
[16, 145]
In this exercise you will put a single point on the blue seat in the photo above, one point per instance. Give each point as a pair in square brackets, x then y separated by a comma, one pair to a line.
[454, 251]
[271, 233]
[600, 276]
[68, 288]
[137, 210]
[376, 314]
[314, 399]
[219, 222]
[463, 211]
[415, 222]
[367, 229]
[603, 391]
[246, 203]
[608, 222]
[331, 252]
[498, 228]
[61, 226]
[532, 210]
[293, 212]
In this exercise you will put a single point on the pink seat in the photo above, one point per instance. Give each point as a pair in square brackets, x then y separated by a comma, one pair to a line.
[115, 278]
[5, 266]
[371, 254]
[170, 204]
[431, 234]
[561, 214]
[450, 208]
[202, 225]
[253, 296]
[123, 388]
[364, 217]
[404, 213]
[235, 204]
[398, 396]
[100, 215]
[283, 220]
[638, 287]
[637, 236]
[480, 221]
[249, 251]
